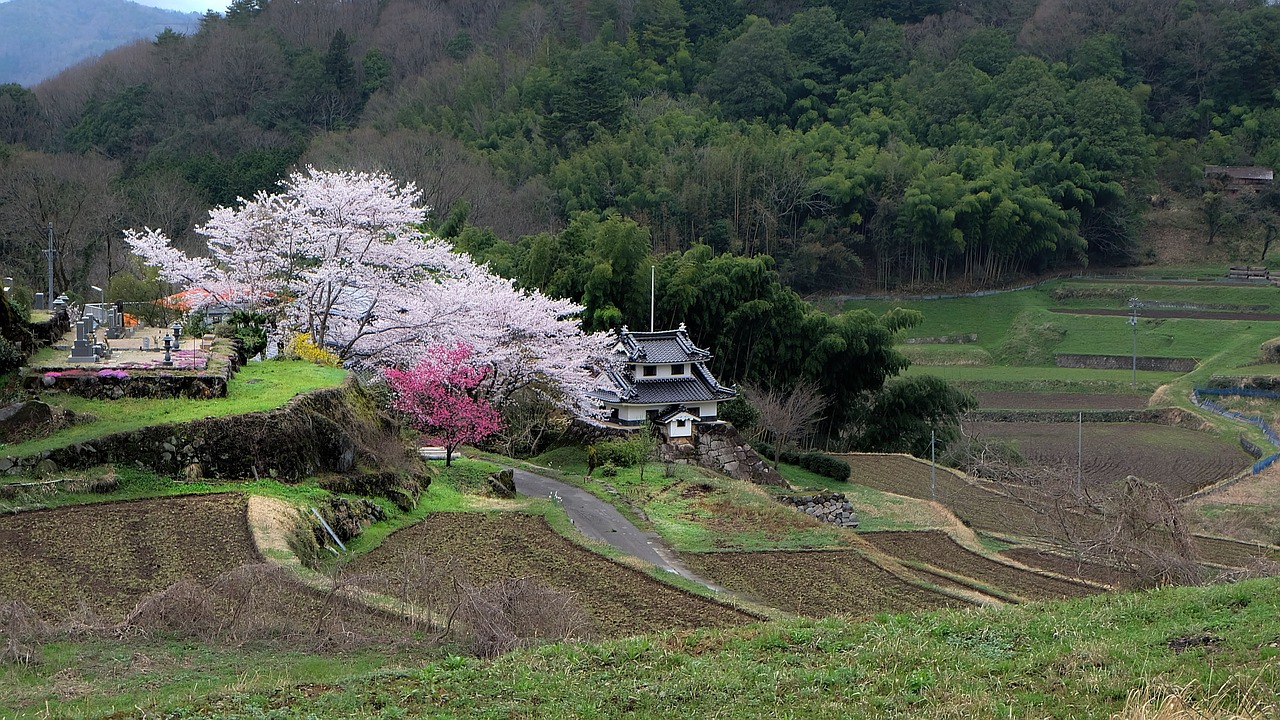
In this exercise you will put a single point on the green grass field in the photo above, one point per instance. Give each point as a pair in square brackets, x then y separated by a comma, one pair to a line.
[257, 386]
[1019, 329]
[1213, 647]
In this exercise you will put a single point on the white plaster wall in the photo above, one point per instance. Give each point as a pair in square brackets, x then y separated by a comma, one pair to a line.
[674, 431]
[664, 371]
[630, 412]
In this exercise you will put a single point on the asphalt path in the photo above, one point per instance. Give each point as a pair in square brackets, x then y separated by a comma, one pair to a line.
[601, 521]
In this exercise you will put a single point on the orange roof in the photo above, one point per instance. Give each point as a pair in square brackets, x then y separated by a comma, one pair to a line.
[190, 298]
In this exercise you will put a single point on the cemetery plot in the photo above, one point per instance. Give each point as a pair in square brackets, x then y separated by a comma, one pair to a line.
[1058, 401]
[815, 583]
[937, 549]
[498, 546]
[1181, 460]
[110, 555]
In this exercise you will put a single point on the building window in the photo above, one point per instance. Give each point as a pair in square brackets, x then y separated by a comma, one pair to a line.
[677, 369]
[681, 422]
[651, 415]
[650, 370]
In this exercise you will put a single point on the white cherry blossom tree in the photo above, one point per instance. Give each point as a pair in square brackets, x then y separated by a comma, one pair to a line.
[342, 256]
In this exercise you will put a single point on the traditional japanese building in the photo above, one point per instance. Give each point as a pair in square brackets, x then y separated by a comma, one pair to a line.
[662, 377]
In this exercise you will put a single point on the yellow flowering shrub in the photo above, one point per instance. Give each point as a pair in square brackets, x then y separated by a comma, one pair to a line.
[301, 347]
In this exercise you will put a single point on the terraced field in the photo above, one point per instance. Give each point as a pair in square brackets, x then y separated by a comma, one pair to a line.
[1181, 460]
[111, 555]
[1059, 401]
[1069, 567]
[497, 546]
[815, 583]
[936, 549]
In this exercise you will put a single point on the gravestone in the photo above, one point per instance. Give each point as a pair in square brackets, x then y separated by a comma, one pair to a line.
[82, 350]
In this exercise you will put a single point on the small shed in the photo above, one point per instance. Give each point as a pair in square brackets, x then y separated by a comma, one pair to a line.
[1239, 178]
[677, 421]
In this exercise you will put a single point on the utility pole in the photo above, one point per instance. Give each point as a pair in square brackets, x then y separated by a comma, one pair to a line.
[1133, 322]
[1080, 454]
[933, 467]
[49, 254]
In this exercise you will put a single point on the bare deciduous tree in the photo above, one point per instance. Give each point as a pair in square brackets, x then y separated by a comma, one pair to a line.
[1133, 525]
[786, 416]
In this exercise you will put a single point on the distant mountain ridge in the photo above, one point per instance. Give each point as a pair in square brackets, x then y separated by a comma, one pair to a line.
[40, 38]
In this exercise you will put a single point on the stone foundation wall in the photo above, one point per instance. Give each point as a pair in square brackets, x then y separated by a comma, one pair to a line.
[832, 508]
[720, 447]
[51, 331]
[86, 380]
[943, 340]
[1176, 417]
[313, 433]
[1125, 362]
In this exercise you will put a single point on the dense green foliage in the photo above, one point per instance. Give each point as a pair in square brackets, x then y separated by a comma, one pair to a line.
[858, 144]
[817, 462]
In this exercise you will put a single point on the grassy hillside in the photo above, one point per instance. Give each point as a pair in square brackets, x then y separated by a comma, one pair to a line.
[257, 386]
[1214, 647]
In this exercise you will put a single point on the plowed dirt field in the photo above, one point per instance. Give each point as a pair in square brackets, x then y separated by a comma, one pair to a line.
[937, 549]
[815, 583]
[495, 546]
[1181, 460]
[110, 555]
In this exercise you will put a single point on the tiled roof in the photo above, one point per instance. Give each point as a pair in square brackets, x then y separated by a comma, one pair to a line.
[1240, 172]
[664, 346]
[668, 346]
[673, 411]
[674, 390]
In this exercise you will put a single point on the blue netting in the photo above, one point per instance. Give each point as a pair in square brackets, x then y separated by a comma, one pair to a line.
[1244, 392]
[1251, 419]
[1264, 463]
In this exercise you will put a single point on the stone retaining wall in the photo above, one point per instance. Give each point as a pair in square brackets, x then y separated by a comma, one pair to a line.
[48, 332]
[1255, 382]
[309, 435]
[720, 447]
[943, 340]
[1125, 362]
[1176, 417]
[832, 508]
[89, 381]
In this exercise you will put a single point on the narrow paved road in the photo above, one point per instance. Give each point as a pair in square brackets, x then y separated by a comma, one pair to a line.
[601, 521]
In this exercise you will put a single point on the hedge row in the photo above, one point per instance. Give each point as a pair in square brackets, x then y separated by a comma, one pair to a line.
[820, 463]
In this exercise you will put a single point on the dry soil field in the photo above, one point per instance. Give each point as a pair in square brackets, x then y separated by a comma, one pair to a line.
[816, 583]
[937, 549]
[110, 555]
[496, 546]
[1181, 460]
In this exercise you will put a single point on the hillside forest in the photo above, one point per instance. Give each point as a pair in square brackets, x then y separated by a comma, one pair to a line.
[744, 152]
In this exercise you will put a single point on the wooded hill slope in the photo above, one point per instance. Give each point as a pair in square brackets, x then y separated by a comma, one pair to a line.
[876, 143]
[40, 38]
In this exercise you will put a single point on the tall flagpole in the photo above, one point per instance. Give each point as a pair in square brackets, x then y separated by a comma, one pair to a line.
[653, 289]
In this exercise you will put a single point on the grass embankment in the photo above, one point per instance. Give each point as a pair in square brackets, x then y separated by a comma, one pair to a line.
[1019, 334]
[1215, 647]
[257, 386]
[697, 511]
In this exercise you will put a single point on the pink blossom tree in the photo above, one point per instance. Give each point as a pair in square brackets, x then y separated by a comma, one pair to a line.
[440, 397]
[342, 256]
